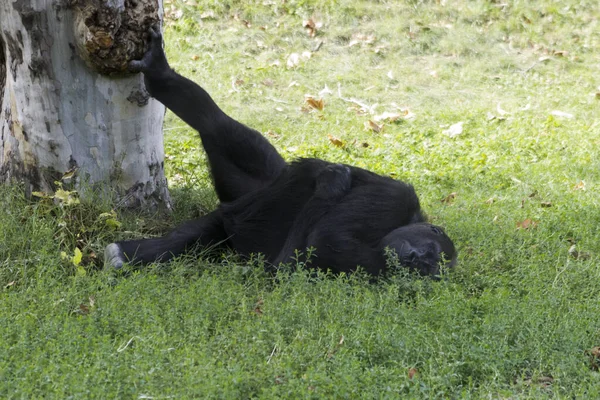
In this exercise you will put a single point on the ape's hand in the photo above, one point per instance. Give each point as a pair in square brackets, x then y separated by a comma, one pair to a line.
[154, 62]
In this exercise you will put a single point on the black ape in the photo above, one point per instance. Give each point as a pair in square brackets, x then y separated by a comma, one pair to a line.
[349, 215]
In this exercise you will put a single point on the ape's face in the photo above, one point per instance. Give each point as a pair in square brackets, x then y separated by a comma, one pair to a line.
[421, 247]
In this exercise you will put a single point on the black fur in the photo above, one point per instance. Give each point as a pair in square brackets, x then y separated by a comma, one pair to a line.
[349, 215]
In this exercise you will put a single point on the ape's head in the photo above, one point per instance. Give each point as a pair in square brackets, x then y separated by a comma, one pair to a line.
[421, 247]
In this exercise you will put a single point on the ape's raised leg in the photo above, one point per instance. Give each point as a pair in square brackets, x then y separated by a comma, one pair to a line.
[241, 159]
[205, 231]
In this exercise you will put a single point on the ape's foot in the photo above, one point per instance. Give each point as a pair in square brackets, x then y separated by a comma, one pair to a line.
[113, 256]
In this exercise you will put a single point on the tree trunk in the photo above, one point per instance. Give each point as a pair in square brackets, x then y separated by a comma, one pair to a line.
[62, 111]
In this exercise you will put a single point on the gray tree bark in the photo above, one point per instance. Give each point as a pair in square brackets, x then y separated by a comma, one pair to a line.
[67, 104]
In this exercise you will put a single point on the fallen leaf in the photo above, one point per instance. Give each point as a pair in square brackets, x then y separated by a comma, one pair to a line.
[560, 53]
[374, 126]
[454, 130]
[210, 14]
[341, 342]
[558, 113]
[526, 224]
[546, 204]
[293, 60]
[83, 309]
[9, 284]
[450, 198]
[195, 57]
[594, 355]
[336, 141]
[500, 110]
[317, 104]
[388, 117]
[42, 195]
[360, 38]
[69, 174]
[325, 91]
[412, 372]
[311, 26]
[545, 381]
[579, 186]
[578, 255]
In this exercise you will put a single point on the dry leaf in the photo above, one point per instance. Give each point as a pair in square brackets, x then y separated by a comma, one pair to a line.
[412, 372]
[293, 60]
[558, 113]
[388, 117]
[454, 130]
[83, 309]
[195, 57]
[374, 126]
[526, 224]
[360, 38]
[317, 104]
[578, 255]
[9, 284]
[341, 342]
[594, 355]
[311, 26]
[335, 141]
[560, 53]
[450, 198]
[325, 91]
[546, 204]
[491, 200]
[210, 14]
[579, 186]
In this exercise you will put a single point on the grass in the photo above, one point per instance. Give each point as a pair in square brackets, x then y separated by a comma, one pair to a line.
[517, 318]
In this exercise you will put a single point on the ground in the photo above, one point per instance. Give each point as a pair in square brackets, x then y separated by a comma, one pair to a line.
[492, 114]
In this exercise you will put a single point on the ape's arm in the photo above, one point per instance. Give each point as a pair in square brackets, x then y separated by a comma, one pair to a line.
[332, 183]
[205, 231]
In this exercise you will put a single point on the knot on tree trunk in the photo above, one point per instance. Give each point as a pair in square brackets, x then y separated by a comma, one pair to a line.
[111, 33]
